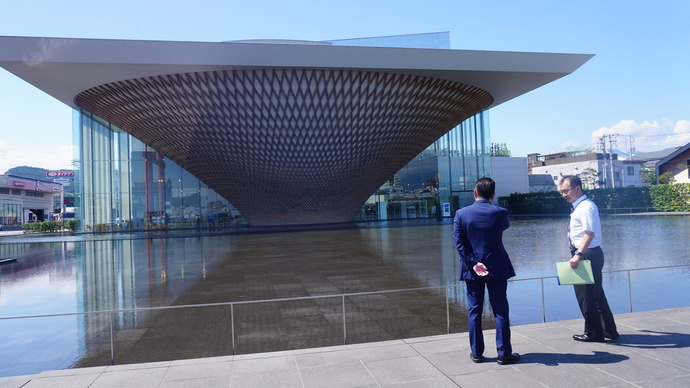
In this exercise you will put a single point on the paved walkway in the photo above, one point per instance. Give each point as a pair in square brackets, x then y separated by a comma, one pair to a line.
[653, 351]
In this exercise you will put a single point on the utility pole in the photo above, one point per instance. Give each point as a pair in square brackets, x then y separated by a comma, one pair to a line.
[612, 142]
[608, 159]
[602, 145]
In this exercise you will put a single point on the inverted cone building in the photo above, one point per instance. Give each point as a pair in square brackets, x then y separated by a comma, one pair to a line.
[287, 132]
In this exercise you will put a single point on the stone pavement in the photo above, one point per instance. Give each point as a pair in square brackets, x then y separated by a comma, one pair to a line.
[653, 351]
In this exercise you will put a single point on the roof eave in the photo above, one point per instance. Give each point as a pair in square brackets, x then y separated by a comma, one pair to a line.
[64, 67]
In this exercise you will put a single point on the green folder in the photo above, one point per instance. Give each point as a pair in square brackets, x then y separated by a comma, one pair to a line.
[581, 275]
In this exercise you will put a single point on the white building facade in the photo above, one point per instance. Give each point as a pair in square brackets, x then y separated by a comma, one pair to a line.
[23, 200]
[596, 170]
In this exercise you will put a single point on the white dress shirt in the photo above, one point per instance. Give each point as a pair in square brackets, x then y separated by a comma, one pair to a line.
[585, 216]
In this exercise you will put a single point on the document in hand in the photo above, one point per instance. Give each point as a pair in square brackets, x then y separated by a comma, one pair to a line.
[581, 275]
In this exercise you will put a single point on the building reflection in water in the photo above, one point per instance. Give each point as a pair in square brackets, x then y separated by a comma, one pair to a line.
[85, 276]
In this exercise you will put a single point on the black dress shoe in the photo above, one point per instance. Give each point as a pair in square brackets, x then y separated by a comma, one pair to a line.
[611, 336]
[586, 338]
[508, 359]
[475, 359]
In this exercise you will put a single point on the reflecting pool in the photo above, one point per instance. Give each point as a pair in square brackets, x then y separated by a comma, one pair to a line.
[91, 274]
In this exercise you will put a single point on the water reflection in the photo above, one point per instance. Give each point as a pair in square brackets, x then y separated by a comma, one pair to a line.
[85, 276]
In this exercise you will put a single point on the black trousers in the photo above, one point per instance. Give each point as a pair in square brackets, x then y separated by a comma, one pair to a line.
[592, 300]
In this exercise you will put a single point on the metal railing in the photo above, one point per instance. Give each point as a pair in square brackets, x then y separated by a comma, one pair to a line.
[342, 297]
[627, 210]
[626, 271]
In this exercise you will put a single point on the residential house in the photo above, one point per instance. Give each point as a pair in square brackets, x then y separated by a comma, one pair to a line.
[677, 163]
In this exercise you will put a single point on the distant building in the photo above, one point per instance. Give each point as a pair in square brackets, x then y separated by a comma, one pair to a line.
[597, 170]
[539, 183]
[24, 199]
[510, 174]
[677, 163]
[63, 177]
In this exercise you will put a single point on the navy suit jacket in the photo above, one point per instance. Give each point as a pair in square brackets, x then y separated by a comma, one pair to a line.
[478, 234]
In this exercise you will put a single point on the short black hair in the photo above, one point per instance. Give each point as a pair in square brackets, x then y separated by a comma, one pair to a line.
[574, 180]
[486, 188]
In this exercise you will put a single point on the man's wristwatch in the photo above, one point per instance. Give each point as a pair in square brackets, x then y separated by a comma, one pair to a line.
[578, 253]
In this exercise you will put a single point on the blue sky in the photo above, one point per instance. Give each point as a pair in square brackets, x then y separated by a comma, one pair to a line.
[637, 85]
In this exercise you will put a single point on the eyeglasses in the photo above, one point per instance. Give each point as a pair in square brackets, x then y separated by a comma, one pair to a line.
[566, 191]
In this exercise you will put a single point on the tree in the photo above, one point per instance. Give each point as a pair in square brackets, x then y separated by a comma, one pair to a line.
[499, 149]
[648, 175]
[667, 178]
[591, 179]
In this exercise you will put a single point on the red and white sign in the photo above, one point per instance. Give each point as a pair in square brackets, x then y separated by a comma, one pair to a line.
[54, 174]
[33, 185]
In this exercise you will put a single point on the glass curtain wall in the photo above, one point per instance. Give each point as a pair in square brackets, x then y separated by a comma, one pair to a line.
[438, 181]
[126, 185]
[468, 160]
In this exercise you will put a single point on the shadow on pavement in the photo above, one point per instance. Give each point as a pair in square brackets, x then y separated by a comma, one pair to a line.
[655, 340]
[554, 359]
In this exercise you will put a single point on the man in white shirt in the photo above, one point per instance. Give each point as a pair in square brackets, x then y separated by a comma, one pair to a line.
[584, 236]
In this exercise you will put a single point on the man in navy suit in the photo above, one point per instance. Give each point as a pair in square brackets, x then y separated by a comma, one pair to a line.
[484, 263]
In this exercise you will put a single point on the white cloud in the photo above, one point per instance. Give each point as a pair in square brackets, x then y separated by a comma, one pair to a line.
[57, 157]
[632, 128]
[682, 126]
[648, 135]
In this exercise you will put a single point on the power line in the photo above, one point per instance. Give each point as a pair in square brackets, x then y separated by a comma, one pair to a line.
[663, 134]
